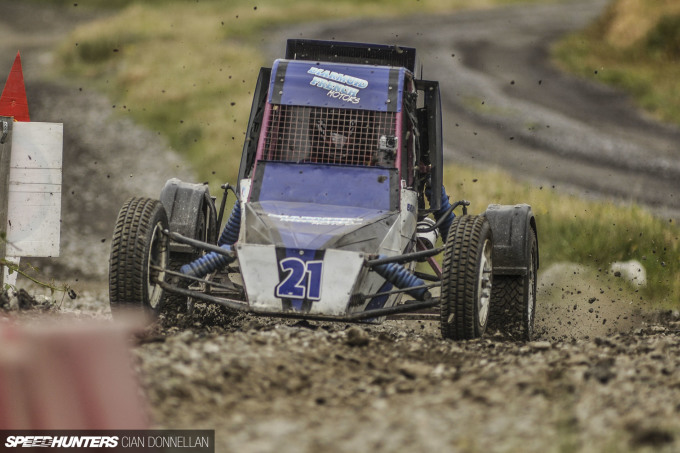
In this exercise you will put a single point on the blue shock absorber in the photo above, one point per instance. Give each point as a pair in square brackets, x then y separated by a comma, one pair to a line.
[400, 277]
[231, 230]
[208, 263]
[445, 206]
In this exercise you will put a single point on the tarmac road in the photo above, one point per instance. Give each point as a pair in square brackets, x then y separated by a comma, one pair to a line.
[506, 105]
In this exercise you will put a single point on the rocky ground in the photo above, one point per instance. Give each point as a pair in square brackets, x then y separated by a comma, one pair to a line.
[270, 385]
[602, 375]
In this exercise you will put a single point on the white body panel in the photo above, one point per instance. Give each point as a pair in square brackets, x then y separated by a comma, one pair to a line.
[401, 233]
[259, 268]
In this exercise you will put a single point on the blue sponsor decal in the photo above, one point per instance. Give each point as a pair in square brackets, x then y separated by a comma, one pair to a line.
[337, 85]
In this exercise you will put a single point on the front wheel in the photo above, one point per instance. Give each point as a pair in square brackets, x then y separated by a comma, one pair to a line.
[139, 256]
[466, 278]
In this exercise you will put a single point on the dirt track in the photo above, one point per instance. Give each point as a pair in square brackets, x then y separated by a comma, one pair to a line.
[601, 376]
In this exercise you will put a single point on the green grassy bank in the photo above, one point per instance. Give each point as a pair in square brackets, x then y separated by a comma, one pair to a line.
[187, 68]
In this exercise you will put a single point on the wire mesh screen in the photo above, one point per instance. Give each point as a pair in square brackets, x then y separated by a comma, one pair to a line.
[331, 135]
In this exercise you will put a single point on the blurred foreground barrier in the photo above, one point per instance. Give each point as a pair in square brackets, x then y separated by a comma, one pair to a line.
[68, 376]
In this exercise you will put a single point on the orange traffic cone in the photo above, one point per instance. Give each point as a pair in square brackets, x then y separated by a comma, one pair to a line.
[13, 101]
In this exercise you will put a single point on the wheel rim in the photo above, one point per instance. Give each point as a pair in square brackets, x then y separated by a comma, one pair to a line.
[158, 258]
[531, 291]
[484, 284]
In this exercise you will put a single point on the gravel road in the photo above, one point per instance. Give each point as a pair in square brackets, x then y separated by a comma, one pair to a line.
[602, 376]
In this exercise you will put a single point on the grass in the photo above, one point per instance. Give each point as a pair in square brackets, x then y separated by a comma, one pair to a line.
[634, 46]
[187, 70]
[572, 229]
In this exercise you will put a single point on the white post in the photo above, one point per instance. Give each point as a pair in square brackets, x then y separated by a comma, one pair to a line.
[5, 156]
[34, 207]
[32, 193]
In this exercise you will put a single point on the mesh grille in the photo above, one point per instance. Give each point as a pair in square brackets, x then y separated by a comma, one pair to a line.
[330, 135]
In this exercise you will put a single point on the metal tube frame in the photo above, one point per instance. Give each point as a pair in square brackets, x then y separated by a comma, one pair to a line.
[369, 314]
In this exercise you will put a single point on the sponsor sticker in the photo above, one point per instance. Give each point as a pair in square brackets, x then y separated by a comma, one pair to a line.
[339, 86]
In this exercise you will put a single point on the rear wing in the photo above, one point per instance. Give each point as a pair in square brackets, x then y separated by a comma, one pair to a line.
[350, 52]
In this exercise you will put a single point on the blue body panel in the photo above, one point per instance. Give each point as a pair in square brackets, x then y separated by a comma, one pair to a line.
[327, 184]
[337, 85]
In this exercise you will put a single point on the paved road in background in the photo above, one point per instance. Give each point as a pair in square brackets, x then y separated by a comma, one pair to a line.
[507, 106]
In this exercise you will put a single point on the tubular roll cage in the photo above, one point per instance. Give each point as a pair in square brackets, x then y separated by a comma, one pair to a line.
[429, 115]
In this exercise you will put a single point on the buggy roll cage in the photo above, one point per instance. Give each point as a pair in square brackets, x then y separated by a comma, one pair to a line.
[426, 117]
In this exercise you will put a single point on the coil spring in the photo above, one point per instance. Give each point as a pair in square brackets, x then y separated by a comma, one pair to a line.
[231, 230]
[445, 205]
[401, 278]
[208, 263]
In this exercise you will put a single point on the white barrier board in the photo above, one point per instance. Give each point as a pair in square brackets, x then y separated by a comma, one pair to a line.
[34, 207]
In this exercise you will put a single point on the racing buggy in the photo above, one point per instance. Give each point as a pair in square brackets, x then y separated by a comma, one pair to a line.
[340, 212]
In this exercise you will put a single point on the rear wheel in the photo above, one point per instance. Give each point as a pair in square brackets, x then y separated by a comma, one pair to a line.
[466, 278]
[139, 256]
[514, 298]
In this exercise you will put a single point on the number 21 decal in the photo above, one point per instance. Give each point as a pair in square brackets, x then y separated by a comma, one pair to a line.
[302, 281]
